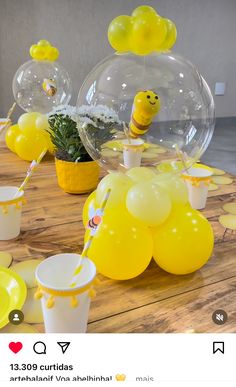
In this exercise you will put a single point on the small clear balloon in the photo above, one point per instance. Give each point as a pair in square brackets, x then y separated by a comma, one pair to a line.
[41, 83]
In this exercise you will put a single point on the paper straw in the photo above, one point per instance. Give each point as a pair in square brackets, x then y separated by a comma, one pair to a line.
[31, 170]
[126, 131]
[88, 244]
[181, 157]
[9, 114]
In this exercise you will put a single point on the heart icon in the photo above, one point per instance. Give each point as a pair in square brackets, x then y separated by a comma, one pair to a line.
[15, 347]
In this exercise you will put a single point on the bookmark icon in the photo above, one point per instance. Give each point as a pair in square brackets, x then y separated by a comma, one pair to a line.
[218, 346]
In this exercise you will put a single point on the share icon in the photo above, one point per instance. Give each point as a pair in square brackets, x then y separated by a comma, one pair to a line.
[64, 345]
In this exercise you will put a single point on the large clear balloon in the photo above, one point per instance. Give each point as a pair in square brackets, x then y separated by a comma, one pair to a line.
[41, 85]
[176, 135]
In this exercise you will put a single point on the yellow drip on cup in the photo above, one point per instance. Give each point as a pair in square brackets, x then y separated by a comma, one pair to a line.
[65, 309]
[198, 179]
[132, 152]
[11, 202]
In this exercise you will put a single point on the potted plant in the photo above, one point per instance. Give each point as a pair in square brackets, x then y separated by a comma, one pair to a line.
[101, 122]
[99, 128]
[77, 173]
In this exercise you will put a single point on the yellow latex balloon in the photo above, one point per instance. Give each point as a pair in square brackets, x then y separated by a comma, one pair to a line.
[184, 243]
[11, 135]
[119, 33]
[89, 208]
[30, 147]
[148, 31]
[119, 184]
[175, 187]
[38, 52]
[50, 145]
[171, 35]
[149, 203]
[27, 121]
[121, 248]
[143, 9]
[139, 174]
[43, 43]
[52, 53]
[137, 49]
[41, 122]
[32, 50]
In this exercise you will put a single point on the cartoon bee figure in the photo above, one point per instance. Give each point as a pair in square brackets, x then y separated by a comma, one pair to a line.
[49, 86]
[146, 105]
[95, 219]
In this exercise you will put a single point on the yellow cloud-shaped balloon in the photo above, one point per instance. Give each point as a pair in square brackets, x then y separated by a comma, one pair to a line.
[142, 33]
[43, 50]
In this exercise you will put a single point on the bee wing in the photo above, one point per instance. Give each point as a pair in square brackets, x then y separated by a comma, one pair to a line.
[99, 212]
[92, 212]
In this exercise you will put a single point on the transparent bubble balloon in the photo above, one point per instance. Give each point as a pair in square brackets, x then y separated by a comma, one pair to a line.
[174, 135]
[41, 85]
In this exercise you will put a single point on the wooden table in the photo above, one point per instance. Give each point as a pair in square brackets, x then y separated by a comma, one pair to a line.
[153, 302]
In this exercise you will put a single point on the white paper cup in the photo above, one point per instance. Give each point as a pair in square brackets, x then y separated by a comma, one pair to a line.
[197, 180]
[3, 122]
[11, 201]
[54, 276]
[132, 152]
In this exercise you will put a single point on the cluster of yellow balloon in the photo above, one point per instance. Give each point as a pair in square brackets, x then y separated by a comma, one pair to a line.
[29, 137]
[142, 33]
[43, 50]
[147, 215]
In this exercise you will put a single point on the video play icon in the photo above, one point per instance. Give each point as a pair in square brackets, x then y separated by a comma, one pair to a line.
[64, 345]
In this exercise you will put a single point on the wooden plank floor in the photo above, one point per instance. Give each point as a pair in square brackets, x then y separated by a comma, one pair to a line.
[153, 302]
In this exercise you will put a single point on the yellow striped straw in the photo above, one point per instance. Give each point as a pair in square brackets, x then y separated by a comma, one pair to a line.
[181, 157]
[31, 170]
[126, 132]
[87, 245]
[8, 121]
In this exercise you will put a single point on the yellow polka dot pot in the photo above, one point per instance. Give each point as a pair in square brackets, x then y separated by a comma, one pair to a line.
[77, 178]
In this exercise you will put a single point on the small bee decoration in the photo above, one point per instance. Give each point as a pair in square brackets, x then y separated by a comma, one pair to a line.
[146, 105]
[49, 86]
[94, 220]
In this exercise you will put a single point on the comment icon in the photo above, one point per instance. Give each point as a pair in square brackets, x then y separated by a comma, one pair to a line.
[40, 348]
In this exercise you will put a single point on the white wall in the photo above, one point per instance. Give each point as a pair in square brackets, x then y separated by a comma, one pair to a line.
[206, 36]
